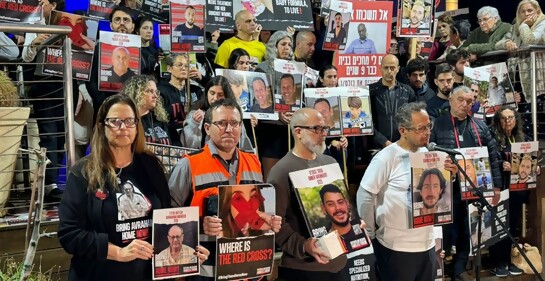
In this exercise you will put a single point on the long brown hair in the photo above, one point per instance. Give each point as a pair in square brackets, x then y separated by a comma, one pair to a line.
[229, 228]
[99, 170]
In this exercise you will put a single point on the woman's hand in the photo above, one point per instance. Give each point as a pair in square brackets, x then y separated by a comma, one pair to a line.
[39, 39]
[198, 116]
[253, 121]
[506, 166]
[195, 74]
[137, 249]
[510, 46]
[202, 253]
[215, 36]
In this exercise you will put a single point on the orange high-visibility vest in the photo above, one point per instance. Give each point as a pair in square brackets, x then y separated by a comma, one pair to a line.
[207, 173]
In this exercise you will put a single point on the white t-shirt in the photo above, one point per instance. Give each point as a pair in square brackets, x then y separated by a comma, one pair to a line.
[389, 177]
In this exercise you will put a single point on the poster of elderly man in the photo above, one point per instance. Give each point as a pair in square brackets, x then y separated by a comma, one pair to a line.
[119, 59]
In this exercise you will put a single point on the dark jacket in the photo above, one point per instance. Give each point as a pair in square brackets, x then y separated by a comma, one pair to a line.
[443, 135]
[82, 232]
[384, 109]
[148, 60]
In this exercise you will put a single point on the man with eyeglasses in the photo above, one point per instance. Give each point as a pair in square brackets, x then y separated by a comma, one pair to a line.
[176, 253]
[459, 130]
[120, 21]
[491, 30]
[301, 258]
[131, 203]
[246, 38]
[402, 253]
[444, 80]
[195, 179]
[387, 95]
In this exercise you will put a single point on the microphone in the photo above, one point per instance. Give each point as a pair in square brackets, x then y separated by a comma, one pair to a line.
[434, 147]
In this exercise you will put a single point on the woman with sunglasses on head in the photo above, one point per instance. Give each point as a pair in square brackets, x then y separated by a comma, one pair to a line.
[507, 129]
[143, 90]
[105, 217]
[194, 135]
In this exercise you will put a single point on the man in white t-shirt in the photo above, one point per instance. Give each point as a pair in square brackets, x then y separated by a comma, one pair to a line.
[401, 253]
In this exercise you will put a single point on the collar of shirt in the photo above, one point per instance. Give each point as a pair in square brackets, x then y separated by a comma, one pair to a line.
[214, 151]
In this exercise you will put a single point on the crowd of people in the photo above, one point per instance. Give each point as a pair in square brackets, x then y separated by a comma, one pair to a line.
[412, 104]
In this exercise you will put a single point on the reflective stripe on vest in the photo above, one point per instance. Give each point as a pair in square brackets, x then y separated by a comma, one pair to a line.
[208, 173]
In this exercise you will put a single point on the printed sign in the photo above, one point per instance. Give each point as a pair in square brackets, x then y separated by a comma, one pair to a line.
[21, 11]
[119, 59]
[524, 165]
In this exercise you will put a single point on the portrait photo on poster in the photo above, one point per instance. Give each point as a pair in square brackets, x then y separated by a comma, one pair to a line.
[187, 25]
[337, 31]
[416, 18]
[288, 79]
[328, 106]
[119, 59]
[366, 38]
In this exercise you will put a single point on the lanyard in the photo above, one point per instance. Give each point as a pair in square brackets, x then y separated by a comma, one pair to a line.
[457, 137]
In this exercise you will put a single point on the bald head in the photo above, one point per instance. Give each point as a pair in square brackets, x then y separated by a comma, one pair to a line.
[245, 23]
[303, 116]
[389, 59]
[389, 68]
[242, 14]
[304, 44]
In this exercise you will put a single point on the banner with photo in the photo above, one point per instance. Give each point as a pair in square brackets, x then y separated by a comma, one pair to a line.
[187, 26]
[360, 265]
[164, 37]
[491, 230]
[477, 167]
[524, 166]
[478, 80]
[500, 90]
[288, 78]
[253, 91]
[278, 14]
[415, 18]
[175, 240]
[329, 215]
[168, 154]
[154, 9]
[101, 9]
[439, 264]
[119, 59]
[356, 111]
[26, 11]
[367, 43]
[337, 25]
[245, 248]
[84, 37]
[220, 16]
[327, 102]
[431, 198]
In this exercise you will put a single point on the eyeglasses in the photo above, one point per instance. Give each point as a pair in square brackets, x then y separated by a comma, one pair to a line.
[222, 124]
[117, 20]
[315, 129]
[508, 118]
[483, 20]
[177, 237]
[422, 129]
[117, 122]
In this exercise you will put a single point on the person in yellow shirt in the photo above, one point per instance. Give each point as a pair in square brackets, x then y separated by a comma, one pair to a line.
[247, 38]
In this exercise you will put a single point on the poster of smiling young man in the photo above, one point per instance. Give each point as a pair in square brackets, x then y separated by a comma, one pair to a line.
[326, 101]
[187, 25]
[288, 78]
[524, 168]
[431, 189]
[245, 247]
[337, 26]
[21, 11]
[500, 90]
[119, 59]
[278, 14]
[175, 240]
[367, 43]
[415, 18]
[83, 35]
[329, 215]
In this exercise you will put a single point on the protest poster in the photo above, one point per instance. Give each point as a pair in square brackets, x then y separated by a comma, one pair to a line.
[175, 240]
[187, 26]
[253, 91]
[415, 18]
[311, 77]
[278, 14]
[524, 166]
[431, 200]
[101, 9]
[164, 36]
[360, 265]
[119, 59]
[323, 196]
[220, 16]
[477, 167]
[26, 11]
[245, 248]
[337, 25]
[359, 64]
[477, 80]
[491, 230]
[168, 154]
[439, 264]
[288, 78]
[84, 37]
[327, 102]
[356, 111]
[154, 9]
[500, 90]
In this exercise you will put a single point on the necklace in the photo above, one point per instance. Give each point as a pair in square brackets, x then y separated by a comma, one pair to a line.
[118, 177]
